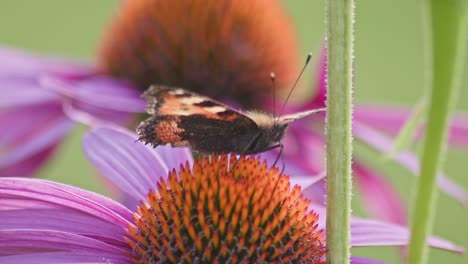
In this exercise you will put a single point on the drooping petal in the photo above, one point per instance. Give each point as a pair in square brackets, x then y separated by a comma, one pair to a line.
[57, 194]
[17, 64]
[360, 260]
[458, 133]
[29, 165]
[41, 220]
[132, 166]
[366, 232]
[60, 218]
[378, 195]
[98, 91]
[27, 134]
[374, 233]
[307, 181]
[408, 160]
[390, 119]
[94, 99]
[21, 92]
[384, 117]
[49, 246]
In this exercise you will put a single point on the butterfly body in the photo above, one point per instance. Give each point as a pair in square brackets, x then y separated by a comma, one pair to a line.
[182, 118]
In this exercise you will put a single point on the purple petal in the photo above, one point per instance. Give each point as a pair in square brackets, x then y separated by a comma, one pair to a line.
[298, 144]
[306, 181]
[386, 118]
[360, 260]
[458, 133]
[31, 244]
[30, 165]
[94, 116]
[391, 118]
[24, 141]
[406, 159]
[56, 194]
[132, 166]
[61, 219]
[65, 257]
[374, 233]
[365, 232]
[98, 91]
[378, 195]
[23, 92]
[16, 63]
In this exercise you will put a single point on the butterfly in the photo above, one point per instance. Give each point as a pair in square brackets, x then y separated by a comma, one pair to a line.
[183, 118]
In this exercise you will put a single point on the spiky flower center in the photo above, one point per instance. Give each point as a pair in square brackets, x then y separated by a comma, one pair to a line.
[226, 210]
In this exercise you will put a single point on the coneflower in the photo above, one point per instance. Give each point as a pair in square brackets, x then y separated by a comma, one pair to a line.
[223, 49]
[223, 209]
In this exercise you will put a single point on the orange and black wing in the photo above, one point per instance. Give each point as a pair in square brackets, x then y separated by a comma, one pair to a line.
[183, 118]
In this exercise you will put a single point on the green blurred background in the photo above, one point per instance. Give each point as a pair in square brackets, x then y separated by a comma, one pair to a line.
[389, 64]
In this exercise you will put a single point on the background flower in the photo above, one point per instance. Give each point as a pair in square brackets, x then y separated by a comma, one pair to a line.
[225, 49]
[41, 99]
[389, 69]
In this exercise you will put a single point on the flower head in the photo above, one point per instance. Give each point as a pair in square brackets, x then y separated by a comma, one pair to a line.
[211, 209]
[226, 210]
[223, 49]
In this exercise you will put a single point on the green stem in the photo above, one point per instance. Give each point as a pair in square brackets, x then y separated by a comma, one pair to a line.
[447, 24]
[339, 137]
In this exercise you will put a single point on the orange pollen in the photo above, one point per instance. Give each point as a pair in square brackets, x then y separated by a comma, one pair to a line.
[220, 213]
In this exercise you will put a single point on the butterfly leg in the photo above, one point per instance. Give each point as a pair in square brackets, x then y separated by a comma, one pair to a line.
[251, 142]
[280, 145]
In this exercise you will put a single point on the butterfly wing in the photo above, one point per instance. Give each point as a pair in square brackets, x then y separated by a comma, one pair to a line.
[183, 118]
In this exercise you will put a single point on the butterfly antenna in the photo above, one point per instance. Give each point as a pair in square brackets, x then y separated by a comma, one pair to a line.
[309, 56]
[273, 86]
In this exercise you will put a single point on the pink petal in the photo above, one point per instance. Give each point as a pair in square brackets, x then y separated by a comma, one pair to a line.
[384, 117]
[30, 165]
[378, 195]
[374, 233]
[360, 260]
[365, 232]
[56, 194]
[98, 91]
[28, 244]
[391, 118]
[94, 116]
[406, 159]
[131, 165]
[16, 63]
[23, 92]
[61, 257]
[27, 143]
[60, 218]
[458, 133]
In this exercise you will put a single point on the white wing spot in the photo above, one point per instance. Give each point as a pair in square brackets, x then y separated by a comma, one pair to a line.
[177, 92]
[215, 109]
[192, 100]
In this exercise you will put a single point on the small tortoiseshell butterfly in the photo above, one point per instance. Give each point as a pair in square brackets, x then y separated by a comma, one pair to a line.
[182, 118]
